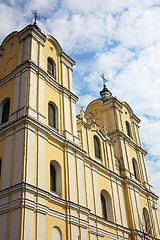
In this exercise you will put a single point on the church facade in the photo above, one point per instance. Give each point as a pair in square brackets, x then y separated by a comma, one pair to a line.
[63, 178]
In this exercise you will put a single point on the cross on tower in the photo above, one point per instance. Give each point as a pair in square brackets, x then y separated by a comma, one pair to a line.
[35, 16]
[104, 79]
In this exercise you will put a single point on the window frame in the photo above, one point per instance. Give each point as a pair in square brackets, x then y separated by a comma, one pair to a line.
[57, 188]
[51, 63]
[135, 169]
[107, 207]
[147, 221]
[128, 129]
[2, 113]
[97, 147]
[52, 109]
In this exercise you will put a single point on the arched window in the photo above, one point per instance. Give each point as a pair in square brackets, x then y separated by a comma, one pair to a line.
[51, 67]
[128, 128]
[106, 205]
[5, 111]
[56, 234]
[147, 224]
[97, 147]
[55, 177]
[135, 169]
[52, 115]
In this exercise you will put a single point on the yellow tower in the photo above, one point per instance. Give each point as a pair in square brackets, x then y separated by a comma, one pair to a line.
[62, 179]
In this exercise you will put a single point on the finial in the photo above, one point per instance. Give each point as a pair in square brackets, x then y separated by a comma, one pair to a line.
[35, 16]
[105, 93]
[104, 79]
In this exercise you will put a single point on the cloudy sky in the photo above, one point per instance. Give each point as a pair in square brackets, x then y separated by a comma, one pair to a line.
[120, 38]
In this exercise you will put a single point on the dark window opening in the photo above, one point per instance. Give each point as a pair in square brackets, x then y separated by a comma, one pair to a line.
[97, 147]
[52, 178]
[51, 67]
[103, 204]
[5, 111]
[128, 127]
[51, 115]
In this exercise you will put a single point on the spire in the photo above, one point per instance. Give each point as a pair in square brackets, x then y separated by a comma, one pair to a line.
[105, 93]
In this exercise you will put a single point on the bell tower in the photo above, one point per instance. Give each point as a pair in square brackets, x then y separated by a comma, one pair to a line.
[37, 120]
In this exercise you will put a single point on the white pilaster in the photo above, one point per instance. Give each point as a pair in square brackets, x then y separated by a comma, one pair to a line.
[67, 117]
[33, 49]
[41, 225]
[113, 119]
[115, 201]
[113, 159]
[139, 212]
[80, 179]
[89, 187]
[74, 123]
[142, 167]
[41, 103]
[83, 234]
[74, 232]
[18, 158]
[109, 160]
[23, 93]
[134, 208]
[117, 117]
[64, 80]
[128, 157]
[30, 158]
[27, 48]
[16, 96]
[28, 224]
[105, 120]
[70, 80]
[15, 224]
[89, 142]
[32, 93]
[41, 161]
[122, 204]
[125, 157]
[71, 176]
[20, 52]
[96, 191]
[3, 226]
[7, 160]
[41, 50]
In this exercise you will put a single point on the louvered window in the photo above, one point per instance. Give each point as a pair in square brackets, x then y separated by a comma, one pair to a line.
[103, 205]
[147, 221]
[5, 111]
[51, 67]
[97, 147]
[51, 115]
[52, 178]
[128, 128]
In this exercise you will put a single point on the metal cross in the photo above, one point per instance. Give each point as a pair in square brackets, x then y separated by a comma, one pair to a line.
[104, 80]
[35, 16]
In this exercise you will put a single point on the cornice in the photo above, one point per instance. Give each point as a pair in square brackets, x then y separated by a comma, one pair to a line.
[118, 133]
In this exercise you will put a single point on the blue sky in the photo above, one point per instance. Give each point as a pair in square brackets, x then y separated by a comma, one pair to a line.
[120, 38]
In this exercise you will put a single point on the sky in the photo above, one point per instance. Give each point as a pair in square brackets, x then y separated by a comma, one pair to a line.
[120, 38]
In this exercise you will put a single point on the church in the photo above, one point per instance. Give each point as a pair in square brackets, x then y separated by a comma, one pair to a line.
[62, 176]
